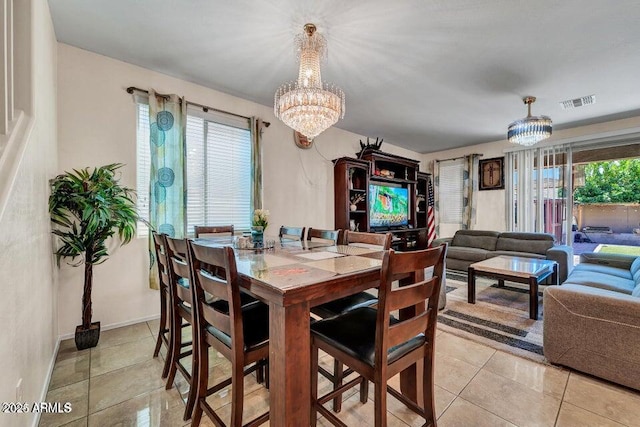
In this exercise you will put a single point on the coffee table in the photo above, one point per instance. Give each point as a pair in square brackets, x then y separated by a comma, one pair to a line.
[530, 271]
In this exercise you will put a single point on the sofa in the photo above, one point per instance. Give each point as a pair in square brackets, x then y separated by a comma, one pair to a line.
[592, 321]
[469, 246]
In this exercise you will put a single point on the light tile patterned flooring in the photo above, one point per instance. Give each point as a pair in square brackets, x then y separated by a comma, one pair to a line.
[118, 384]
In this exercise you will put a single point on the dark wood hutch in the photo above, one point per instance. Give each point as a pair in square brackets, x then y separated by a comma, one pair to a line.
[351, 180]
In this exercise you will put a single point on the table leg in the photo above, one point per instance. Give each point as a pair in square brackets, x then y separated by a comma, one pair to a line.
[501, 283]
[533, 298]
[471, 285]
[554, 275]
[289, 365]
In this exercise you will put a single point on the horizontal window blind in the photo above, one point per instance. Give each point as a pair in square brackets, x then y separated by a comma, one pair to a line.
[218, 172]
[218, 169]
[143, 170]
[450, 191]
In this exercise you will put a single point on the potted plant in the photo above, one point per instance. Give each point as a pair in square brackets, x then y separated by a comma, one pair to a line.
[89, 207]
[259, 224]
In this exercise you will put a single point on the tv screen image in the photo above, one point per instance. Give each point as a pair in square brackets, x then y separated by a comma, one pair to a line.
[388, 206]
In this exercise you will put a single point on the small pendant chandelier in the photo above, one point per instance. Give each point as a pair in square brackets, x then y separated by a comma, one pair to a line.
[531, 129]
[307, 105]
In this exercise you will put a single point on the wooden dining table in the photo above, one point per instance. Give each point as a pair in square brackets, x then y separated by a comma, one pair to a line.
[292, 277]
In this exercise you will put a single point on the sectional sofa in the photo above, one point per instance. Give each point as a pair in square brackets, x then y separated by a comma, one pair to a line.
[469, 246]
[592, 321]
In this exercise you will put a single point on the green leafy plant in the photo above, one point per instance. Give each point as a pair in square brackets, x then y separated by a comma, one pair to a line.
[88, 207]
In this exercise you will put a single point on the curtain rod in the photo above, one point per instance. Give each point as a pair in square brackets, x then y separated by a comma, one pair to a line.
[459, 157]
[205, 108]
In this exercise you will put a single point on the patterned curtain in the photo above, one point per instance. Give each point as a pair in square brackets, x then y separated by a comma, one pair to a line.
[436, 194]
[167, 118]
[469, 191]
[257, 127]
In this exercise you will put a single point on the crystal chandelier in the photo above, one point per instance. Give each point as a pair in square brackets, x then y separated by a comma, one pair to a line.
[306, 105]
[531, 129]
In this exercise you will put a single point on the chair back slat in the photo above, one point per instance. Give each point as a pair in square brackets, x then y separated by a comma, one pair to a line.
[410, 297]
[218, 319]
[324, 235]
[164, 278]
[291, 233]
[373, 239]
[213, 230]
[213, 285]
[184, 294]
[407, 329]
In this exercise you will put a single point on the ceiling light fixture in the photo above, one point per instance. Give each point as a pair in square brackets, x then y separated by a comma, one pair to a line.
[307, 105]
[531, 129]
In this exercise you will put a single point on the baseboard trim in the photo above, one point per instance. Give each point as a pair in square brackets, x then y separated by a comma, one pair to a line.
[115, 325]
[45, 389]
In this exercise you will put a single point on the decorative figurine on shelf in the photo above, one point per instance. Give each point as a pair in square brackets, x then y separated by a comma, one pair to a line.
[353, 225]
[351, 171]
[259, 224]
[369, 146]
[355, 199]
[419, 199]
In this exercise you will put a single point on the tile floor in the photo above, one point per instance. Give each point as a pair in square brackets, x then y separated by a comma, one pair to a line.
[118, 383]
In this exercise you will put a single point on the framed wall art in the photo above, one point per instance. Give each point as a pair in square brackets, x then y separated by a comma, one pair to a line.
[491, 174]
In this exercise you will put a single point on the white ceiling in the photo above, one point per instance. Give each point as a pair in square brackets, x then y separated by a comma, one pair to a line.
[426, 75]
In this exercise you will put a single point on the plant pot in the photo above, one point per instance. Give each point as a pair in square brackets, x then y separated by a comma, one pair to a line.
[87, 338]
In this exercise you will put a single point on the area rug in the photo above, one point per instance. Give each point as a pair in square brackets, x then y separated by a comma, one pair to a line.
[499, 318]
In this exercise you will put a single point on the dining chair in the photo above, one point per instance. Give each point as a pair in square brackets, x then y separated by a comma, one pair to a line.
[333, 236]
[291, 233]
[350, 302]
[164, 328]
[181, 314]
[239, 333]
[377, 345]
[213, 230]
[342, 305]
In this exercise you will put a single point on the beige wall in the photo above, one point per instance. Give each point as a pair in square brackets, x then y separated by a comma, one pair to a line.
[97, 126]
[27, 275]
[491, 203]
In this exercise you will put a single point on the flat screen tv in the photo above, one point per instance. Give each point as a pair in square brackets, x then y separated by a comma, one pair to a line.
[388, 206]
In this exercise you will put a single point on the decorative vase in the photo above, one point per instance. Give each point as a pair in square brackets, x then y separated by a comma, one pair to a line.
[353, 207]
[257, 233]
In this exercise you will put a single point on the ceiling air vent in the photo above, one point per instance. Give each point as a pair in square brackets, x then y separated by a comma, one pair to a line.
[578, 102]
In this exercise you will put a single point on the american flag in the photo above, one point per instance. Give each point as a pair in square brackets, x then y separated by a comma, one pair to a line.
[431, 217]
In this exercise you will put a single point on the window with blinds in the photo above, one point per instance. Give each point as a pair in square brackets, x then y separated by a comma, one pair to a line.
[143, 170]
[450, 191]
[218, 169]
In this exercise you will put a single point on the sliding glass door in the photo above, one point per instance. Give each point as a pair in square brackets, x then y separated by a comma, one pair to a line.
[538, 188]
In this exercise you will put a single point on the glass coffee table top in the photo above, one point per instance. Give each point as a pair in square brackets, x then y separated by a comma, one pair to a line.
[513, 265]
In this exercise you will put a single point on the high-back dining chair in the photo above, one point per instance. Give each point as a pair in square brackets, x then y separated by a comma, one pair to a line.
[333, 308]
[164, 329]
[359, 238]
[350, 302]
[333, 236]
[240, 333]
[181, 313]
[377, 345]
[291, 233]
[213, 230]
